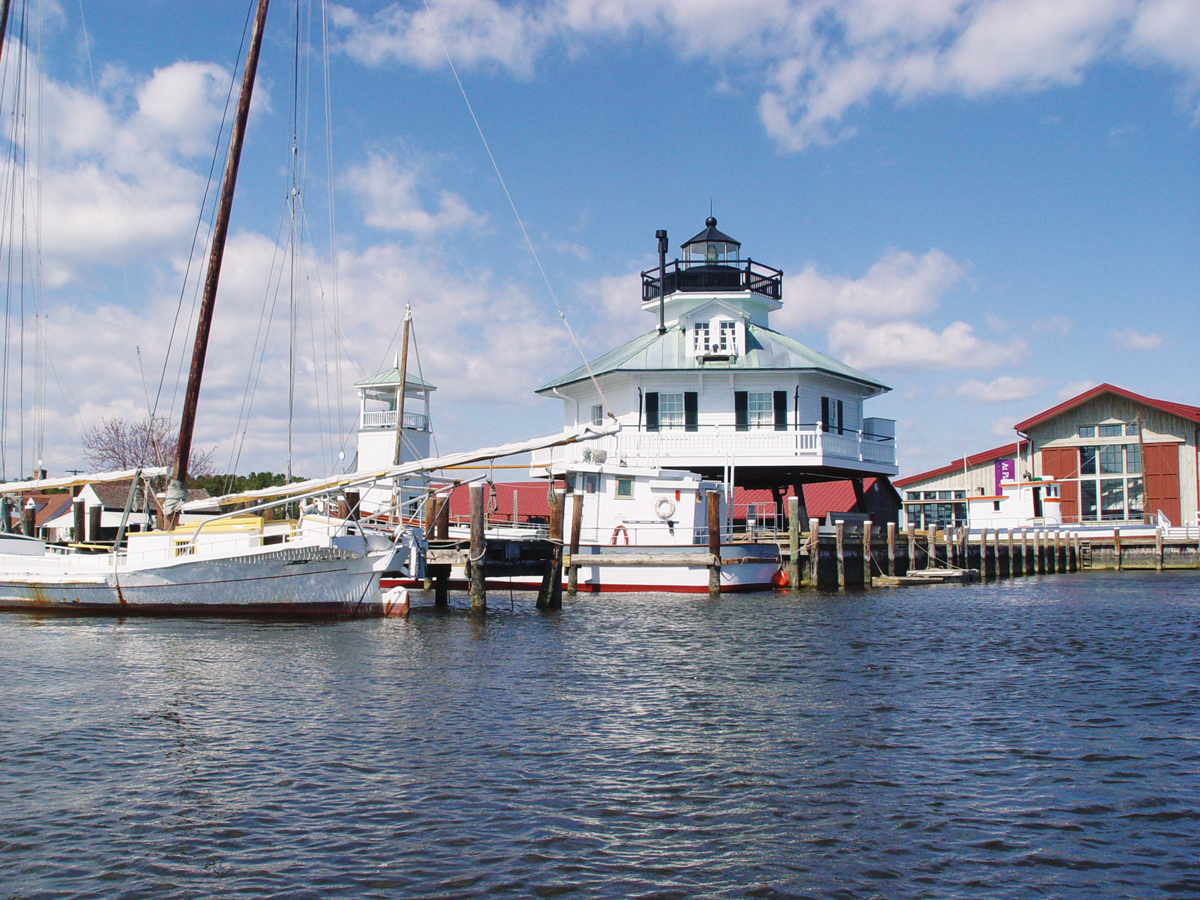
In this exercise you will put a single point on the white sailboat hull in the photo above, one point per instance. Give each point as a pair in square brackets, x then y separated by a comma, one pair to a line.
[291, 582]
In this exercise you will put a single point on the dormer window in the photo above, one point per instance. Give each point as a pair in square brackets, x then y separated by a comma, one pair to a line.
[727, 342]
[715, 338]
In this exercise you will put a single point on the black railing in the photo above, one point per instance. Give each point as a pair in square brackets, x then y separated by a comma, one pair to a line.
[697, 275]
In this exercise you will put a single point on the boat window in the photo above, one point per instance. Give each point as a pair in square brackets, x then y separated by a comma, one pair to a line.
[624, 487]
[590, 483]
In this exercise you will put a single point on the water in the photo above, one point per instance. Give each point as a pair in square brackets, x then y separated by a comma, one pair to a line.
[1036, 738]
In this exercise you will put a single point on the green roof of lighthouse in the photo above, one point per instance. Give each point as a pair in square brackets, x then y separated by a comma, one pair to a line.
[766, 350]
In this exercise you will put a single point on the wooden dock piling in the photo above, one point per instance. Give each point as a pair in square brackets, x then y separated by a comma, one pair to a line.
[714, 543]
[891, 547]
[793, 565]
[576, 527]
[477, 563]
[814, 551]
[868, 526]
[550, 594]
[840, 543]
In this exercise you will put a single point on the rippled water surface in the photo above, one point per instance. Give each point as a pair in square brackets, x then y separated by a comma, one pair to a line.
[1029, 739]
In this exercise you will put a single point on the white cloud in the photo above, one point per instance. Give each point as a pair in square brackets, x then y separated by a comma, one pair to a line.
[898, 286]
[1130, 339]
[390, 197]
[908, 345]
[812, 62]
[1074, 389]
[1001, 390]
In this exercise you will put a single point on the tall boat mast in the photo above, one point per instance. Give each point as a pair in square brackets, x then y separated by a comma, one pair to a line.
[176, 491]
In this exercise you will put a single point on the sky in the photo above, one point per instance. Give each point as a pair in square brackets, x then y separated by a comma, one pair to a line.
[988, 205]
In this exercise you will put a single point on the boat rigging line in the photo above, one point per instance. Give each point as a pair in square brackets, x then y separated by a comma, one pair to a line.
[512, 204]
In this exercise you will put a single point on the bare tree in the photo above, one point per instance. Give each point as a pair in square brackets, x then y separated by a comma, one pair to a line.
[115, 445]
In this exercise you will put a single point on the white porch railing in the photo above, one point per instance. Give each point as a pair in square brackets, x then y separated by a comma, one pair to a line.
[719, 446]
[386, 418]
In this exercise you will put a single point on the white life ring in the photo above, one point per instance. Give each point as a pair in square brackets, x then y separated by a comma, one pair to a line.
[664, 507]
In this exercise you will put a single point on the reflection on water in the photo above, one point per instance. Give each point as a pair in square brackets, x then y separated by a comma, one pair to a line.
[1027, 739]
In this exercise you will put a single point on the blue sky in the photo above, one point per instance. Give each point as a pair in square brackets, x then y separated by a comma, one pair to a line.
[987, 205]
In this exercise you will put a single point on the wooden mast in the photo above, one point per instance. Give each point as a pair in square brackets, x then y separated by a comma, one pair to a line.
[401, 390]
[187, 422]
[3, 22]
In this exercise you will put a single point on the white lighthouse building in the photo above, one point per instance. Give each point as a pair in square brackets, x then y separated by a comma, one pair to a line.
[714, 390]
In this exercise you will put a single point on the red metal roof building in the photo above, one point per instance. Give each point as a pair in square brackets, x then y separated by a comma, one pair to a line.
[1120, 457]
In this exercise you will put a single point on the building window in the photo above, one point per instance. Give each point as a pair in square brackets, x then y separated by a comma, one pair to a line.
[598, 414]
[761, 409]
[931, 516]
[1087, 430]
[832, 415]
[1110, 430]
[624, 487]
[700, 337]
[1110, 483]
[670, 410]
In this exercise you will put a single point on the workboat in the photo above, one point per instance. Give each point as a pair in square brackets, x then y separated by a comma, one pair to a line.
[639, 529]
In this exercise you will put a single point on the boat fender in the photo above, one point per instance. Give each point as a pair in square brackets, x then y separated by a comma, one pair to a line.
[664, 507]
[781, 579]
[620, 529]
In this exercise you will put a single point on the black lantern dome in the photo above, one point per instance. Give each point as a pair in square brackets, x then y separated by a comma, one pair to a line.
[711, 246]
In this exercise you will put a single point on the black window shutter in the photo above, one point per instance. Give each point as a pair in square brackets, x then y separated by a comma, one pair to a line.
[841, 420]
[691, 411]
[824, 413]
[652, 410]
[741, 410]
[781, 410]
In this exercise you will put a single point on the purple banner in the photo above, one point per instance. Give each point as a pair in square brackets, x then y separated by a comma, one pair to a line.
[1006, 470]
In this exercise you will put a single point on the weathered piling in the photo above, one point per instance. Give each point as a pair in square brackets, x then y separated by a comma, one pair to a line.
[477, 562]
[946, 541]
[911, 534]
[814, 550]
[94, 512]
[866, 552]
[714, 544]
[793, 563]
[891, 547]
[80, 512]
[28, 515]
[576, 527]
[840, 544]
[1117, 548]
[550, 595]
[430, 518]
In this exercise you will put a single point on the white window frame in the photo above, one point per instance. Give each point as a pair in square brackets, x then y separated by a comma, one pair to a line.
[670, 410]
[760, 409]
